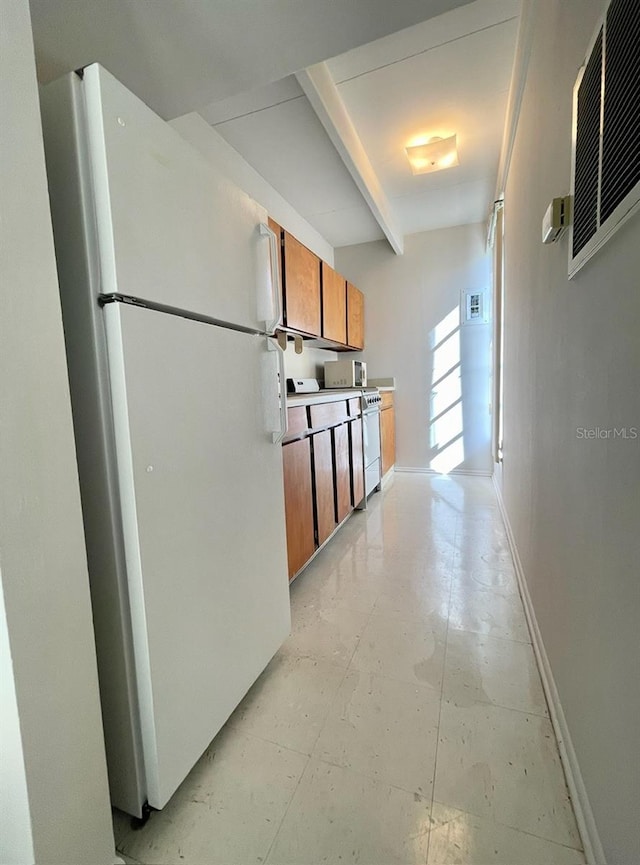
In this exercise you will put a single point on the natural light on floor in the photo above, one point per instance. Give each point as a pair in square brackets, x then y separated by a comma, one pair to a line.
[445, 400]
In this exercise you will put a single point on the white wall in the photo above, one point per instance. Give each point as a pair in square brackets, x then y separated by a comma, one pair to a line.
[572, 360]
[412, 332]
[52, 667]
[309, 364]
[16, 843]
[229, 162]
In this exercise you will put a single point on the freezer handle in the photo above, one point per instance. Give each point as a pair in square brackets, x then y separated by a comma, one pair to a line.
[270, 326]
[273, 345]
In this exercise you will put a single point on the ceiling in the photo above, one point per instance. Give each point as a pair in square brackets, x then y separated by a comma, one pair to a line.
[178, 55]
[400, 69]
[448, 75]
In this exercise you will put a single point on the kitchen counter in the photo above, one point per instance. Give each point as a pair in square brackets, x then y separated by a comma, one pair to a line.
[320, 396]
[383, 384]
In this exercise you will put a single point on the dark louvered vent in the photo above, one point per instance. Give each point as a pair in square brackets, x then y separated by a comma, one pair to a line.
[585, 207]
[621, 127]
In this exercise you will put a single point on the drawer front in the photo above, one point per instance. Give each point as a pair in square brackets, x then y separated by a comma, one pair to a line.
[328, 414]
[355, 409]
[297, 420]
[387, 399]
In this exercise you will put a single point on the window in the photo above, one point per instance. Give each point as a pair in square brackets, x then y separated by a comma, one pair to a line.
[606, 118]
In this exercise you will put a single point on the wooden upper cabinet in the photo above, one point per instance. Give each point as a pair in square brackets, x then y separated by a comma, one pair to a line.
[301, 286]
[334, 305]
[355, 317]
[316, 300]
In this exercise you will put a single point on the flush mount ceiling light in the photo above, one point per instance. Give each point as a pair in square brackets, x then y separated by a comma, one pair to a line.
[436, 154]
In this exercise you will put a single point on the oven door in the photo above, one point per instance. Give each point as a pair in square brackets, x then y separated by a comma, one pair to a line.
[371, 435]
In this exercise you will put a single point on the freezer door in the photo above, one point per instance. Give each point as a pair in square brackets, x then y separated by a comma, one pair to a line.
[170, 228]
[202, 498]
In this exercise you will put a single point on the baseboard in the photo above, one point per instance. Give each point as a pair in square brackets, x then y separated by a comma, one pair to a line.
[584, 815]
[479, 473]
[387, 478]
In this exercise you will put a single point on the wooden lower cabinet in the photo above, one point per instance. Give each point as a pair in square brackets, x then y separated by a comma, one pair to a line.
[342, 471]
[323, 474]
[357, 461]
[298, 503]
[387, 432]
[324, 484]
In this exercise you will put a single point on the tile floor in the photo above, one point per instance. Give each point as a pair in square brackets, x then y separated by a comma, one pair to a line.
[402, 722]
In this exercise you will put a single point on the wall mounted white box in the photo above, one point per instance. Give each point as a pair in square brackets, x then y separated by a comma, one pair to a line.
[556, 219]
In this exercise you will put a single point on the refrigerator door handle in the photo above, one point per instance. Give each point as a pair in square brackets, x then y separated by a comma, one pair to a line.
[279, 435]
[270, 326]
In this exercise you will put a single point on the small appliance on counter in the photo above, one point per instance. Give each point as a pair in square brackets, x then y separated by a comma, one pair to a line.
[302, 385]
[345, 373]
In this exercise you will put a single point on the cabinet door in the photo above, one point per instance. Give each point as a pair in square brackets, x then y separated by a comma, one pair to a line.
[301, 287]
[325, 488]
[298, 503]
[343, 471]
[355, 317]
[388, 438]
[357, 461]
[277, 230]
[334, 305]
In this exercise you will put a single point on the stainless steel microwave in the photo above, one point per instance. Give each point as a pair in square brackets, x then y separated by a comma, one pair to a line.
[345, 373]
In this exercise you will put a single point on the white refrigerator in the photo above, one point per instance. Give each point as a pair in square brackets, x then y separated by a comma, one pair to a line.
[169, 288]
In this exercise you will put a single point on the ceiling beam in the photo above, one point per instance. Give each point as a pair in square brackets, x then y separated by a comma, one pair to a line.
[321, 91]
[519, 72]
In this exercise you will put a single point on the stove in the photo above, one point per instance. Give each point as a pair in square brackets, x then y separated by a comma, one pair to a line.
[370, 401]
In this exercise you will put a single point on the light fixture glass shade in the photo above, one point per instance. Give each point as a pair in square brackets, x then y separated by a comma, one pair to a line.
[436, 154]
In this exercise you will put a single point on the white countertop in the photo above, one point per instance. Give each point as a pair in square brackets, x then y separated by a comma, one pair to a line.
[319, 396]
[383, 384]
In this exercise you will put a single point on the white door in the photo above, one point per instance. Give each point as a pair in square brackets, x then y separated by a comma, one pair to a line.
[203, 512]
[170, 228]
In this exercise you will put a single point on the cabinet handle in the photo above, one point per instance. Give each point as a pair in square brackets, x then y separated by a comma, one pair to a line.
[278, 435]
[270, 326]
